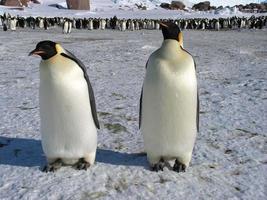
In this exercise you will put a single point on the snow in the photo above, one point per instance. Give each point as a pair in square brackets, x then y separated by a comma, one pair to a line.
[229, 159]
[120, 8]
[228, 11]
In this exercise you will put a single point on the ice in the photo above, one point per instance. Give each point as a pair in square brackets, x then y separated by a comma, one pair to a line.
[229, 158]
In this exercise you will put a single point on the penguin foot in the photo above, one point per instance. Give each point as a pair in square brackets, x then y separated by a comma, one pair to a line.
[178, 167]
[52, 167]
[160, 165]
[81, 164]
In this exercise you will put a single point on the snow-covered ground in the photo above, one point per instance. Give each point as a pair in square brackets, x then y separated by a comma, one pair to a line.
[120, 8]
[229, 159]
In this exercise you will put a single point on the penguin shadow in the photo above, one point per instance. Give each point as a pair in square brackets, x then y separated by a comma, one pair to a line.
[21, 152]
[120, 158]
[26, 152]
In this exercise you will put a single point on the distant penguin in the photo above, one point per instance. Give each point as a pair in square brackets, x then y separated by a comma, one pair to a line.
[169, 103]
[90, 25]
[123, 25]
[1, 21]
[4, 27]
[108, 23]
[152, 24]
[103, 24]
[41, 23]
[67, 26]
[70, 26]
[136, 23]
[217, 25]
[157, 26]
[13, 24]
[67, 109]
[45, 24]
[132, 26]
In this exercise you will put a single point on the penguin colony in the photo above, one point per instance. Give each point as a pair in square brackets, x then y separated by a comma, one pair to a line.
[169, 107]
[8, 22]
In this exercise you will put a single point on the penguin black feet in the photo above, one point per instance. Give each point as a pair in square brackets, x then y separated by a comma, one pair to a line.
[178, 167]
[160, 165]
[81, 164]
[52, 167]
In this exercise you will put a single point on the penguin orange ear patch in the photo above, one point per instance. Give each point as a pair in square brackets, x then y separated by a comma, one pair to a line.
[59, 48]
[180, 39]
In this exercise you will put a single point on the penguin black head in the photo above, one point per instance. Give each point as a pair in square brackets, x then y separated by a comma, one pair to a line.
[171, 31]
[46, 49]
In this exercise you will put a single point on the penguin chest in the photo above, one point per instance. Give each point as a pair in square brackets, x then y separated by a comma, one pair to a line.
[169, 108]
[67, 125]
[65, 27]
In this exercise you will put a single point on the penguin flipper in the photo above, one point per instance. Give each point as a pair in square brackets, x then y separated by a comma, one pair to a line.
[90, 89]
[140, 105]
[140, 109]
[197, 112]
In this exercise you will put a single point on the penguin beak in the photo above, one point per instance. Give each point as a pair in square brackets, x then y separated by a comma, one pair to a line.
[36, 52]
[163, 25]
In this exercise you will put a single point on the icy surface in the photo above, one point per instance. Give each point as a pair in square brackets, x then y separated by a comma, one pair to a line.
[229, 159]
[120, 8]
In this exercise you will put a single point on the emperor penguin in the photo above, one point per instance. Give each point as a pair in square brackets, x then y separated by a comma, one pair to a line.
[67, 109]
[13, 24]
[123, 25]
[90, 25]
[217, 25]
[168, 116]
[103, 24]
[41, 23]
[67, 26]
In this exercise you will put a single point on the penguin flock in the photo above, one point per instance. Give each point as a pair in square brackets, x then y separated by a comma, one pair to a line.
[8, 22]
[168, 113]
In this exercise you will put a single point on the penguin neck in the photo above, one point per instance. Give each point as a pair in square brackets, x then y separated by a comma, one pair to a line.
[170, 44]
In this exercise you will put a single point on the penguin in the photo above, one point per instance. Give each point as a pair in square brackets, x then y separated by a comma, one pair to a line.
[168, 115]
[90, 25]
[66, 26]
[69, 27]
[123, 25]
[132, 25]
[45, 24]
[41, 23]
[13, 24]
[4, 27]
[103, 24]
[68, 114]
[157, 26]
[136, 23]
[217, 25]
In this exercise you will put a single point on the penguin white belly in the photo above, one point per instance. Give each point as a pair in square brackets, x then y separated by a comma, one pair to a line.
[65, 27]
[70, 27]
[13, 25]
[67, 127]
[169, 111]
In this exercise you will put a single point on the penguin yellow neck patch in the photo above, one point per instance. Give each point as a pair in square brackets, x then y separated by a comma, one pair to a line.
[180, 39]
[59, 49]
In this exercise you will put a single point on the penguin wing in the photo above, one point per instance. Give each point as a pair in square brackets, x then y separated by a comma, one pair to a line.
[90, 89]
[140, 109]
[140, 105]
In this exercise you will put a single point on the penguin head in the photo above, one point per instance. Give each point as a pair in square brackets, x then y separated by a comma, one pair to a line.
[46, 49]
[171, 31]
